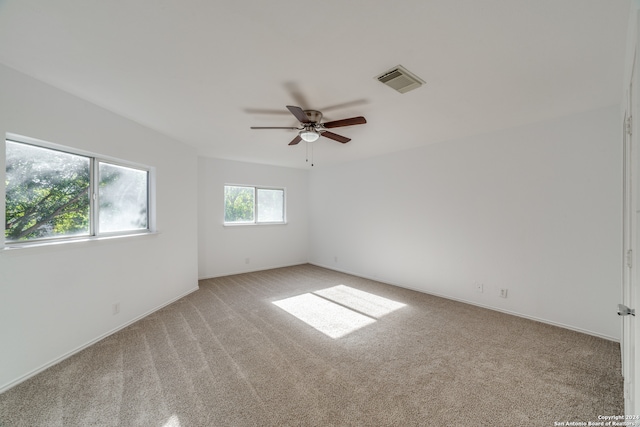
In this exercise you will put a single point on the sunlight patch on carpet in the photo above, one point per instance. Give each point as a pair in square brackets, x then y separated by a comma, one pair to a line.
[172, 422]
[361, 301]
[329, 318]
[339, 310]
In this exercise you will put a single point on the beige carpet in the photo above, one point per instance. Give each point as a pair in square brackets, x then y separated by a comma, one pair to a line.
[232, 354]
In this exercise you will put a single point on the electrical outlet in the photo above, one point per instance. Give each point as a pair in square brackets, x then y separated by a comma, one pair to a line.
[335, 259]
[247, 260]
[479, 287]
[503, 293]
[116, 308]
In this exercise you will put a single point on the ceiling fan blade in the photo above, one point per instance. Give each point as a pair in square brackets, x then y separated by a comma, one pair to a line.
[271, 127]
[335, 137]
[345, 122]
[299, 113]
[265, 111]
[295, 140]
[344, 105]
[296, 94]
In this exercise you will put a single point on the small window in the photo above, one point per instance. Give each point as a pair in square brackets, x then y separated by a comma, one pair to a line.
[56, 194]
[253, 205]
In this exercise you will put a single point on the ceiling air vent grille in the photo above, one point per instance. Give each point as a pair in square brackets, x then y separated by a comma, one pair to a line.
[400, 79]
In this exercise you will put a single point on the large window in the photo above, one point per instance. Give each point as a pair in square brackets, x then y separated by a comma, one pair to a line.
[253, 205]
[56, 194]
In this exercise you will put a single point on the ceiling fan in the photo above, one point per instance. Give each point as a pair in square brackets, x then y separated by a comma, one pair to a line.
[311, 128]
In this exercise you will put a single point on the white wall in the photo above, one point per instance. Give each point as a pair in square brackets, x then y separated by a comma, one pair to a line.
[56, 299]
[536, 209]
[224, 250]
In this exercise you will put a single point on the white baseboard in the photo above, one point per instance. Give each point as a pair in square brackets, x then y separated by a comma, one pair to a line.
[231, 273]
[57, 360]
[513, 313]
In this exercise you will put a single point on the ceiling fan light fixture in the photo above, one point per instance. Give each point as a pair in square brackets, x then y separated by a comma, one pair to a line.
[309, 135]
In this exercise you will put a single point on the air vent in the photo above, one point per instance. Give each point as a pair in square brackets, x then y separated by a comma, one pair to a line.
[400, 79]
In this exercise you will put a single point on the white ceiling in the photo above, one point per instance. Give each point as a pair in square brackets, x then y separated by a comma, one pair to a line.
[203, 72]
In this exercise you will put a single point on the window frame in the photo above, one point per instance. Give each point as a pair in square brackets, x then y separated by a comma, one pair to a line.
[255, 206]
[94, 181]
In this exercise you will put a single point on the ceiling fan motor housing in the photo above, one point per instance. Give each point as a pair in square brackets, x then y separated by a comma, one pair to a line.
[314, 115]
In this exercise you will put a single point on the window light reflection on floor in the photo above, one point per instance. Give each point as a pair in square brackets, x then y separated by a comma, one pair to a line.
[361, 301]
[172, 422]
[339, 310]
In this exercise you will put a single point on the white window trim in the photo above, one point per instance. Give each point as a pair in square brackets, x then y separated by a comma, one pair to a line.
[95, 160]
[255, 222]
[44, 243]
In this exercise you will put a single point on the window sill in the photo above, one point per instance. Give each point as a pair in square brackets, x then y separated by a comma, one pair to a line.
[252, 224]
[10, 247]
